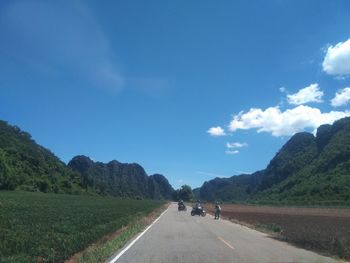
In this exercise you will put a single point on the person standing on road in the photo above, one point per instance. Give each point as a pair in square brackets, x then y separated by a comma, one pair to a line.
[217, 210]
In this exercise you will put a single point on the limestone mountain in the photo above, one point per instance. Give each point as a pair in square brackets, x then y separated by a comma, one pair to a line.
[120, 179]
[26, 165]
[305, 169]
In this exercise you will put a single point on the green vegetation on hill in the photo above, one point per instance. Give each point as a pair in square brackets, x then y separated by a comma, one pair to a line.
[25, 165]
[236, 188]
[326, 178]
[165, 189]
[185, 193]
[307, 170]
[37, 227]
[120, 179]
[298, 152]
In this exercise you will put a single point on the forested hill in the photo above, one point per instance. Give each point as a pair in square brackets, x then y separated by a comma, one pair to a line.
[25, 165]
[307, 169]
[120, 179]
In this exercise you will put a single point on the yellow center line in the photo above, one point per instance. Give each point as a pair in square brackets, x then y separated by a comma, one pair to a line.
[226, 243]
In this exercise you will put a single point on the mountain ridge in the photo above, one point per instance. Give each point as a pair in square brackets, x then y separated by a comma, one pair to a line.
[307, 168]
[120, 179]
[26, 165]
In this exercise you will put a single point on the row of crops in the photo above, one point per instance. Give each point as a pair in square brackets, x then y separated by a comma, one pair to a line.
[37, 227]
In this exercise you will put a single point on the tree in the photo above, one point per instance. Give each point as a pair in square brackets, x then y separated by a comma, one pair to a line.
[185, 193]
[6, 181]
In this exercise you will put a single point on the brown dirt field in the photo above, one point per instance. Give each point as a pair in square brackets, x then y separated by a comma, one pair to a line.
[324, 230]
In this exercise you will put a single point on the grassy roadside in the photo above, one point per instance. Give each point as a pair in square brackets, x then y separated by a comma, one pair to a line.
[105, 248]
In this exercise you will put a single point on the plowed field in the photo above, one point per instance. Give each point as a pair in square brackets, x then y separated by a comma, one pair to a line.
[321, 229]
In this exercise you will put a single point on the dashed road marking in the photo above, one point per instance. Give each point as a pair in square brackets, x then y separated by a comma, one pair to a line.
[226, 243]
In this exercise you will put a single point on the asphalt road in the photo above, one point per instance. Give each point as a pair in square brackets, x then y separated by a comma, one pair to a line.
[179, 237]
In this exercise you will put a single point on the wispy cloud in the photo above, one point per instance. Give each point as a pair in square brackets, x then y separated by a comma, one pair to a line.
[232, 152]
[282, 89]
[211, 174]
[60, 37]
[221, 175]
[231, 148]
[154, 87]
[234, 145]
[242, 172]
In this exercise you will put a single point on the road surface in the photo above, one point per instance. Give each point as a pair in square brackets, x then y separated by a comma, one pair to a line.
[178, 237]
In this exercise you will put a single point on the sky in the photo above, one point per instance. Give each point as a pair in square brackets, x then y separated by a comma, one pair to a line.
[190, 89]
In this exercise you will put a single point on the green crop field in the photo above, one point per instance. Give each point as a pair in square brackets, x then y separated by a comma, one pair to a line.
[37, 227]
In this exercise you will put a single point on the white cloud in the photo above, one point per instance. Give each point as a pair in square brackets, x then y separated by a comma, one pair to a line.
[236, 145]
[284, 123]
[311, 93]
[232, 152]
[341, 98]
[216, 131]
[282, 89]
[337, 59]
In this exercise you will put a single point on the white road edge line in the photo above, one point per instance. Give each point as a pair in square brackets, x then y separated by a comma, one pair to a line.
[138, 237]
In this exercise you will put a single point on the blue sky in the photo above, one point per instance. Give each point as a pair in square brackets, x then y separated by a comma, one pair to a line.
[189, 89]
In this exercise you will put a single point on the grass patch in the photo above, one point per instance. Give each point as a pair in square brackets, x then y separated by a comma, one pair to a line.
[37, 227]
[270, 227]
[101, 252]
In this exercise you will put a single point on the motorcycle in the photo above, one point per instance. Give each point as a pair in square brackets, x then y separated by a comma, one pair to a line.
[198, 211]
[181, 207]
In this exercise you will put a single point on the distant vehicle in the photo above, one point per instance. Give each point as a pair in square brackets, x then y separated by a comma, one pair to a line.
[181, 207]
[198, 210]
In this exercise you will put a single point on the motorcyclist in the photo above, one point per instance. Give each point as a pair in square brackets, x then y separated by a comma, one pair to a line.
[181, 203]
[217, 210]
[198, 209]
[198, 205]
